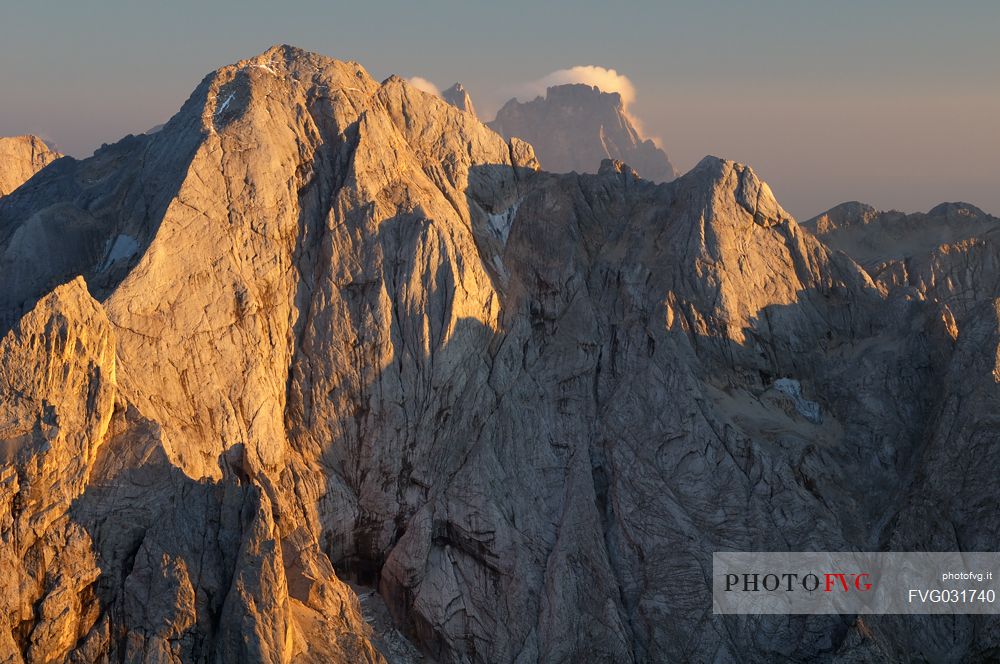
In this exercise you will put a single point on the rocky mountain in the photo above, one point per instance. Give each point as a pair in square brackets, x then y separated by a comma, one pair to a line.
[459, 98]
[949, 254]
[322, 329]
[948, 258]
[575, 126]
[20, 158]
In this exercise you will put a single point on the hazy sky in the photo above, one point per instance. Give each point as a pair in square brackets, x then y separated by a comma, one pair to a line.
[892, 102]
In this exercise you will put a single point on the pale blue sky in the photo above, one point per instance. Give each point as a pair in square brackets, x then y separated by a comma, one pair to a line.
[896, 103]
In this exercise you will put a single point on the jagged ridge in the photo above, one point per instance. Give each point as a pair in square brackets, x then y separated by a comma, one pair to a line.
[356, 330]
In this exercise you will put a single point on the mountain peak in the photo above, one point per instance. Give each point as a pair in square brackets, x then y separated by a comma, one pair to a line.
[20, 158]
[741, 182]
[296, 64]
[956, 209]
[876, 238]
[842, 215]
[291, 55]
[582, 93]
[854, 213]
[457, 96]
[611, 166]
[575, 126]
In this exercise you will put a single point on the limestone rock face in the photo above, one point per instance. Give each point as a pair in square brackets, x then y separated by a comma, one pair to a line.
[320, 328]
[57, 395]
[20, 158]
[459, 98]
[215, 546]
[575, 126]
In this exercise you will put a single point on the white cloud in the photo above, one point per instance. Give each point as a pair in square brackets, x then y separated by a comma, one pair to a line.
[608, 80]
[421, 83]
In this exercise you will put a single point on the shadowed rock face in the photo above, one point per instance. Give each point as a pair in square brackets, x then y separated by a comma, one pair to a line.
[333, 328]
[20, 158]
[575, 126]
[948, 258]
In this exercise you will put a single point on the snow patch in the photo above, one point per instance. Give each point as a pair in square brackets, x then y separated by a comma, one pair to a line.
[500, 267]
[500, 223]
[220, 109]
[792, 388]
[122, 248]
[266, 68]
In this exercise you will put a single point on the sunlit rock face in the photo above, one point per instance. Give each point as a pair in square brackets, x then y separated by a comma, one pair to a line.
[575, 126]
[20, 158]
[320, 328]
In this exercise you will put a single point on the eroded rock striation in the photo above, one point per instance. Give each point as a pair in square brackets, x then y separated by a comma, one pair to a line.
[20, 158]
[320, 328]
[576, 126]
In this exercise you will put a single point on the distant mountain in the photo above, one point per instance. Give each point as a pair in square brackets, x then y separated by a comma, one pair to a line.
[949, 254]
[575, 126]
[852, 213]
[459, 98]
[20, 158]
